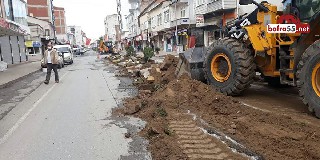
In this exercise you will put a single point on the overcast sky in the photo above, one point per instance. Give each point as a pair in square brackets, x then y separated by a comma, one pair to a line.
[90, 14]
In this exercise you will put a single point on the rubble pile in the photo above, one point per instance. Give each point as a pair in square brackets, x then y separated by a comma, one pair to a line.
[147, 73]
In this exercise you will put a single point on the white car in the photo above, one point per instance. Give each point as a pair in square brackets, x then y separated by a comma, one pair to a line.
[66, 51]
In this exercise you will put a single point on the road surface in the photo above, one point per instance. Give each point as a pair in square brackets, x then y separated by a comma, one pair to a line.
[69, 120]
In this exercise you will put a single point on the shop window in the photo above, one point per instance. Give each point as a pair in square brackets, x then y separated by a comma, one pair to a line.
[47, 32]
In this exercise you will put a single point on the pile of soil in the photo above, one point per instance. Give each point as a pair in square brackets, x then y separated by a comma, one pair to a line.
[166, 72]
[274, 136]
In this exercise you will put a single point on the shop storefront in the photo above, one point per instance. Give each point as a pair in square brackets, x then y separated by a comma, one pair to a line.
[183, 38]
[33, 47]
[168, 42]
[12, 42]
[13, 28]
[144, 40]
[138, 43]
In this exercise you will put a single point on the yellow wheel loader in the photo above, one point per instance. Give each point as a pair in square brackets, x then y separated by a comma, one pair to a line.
[230, 63]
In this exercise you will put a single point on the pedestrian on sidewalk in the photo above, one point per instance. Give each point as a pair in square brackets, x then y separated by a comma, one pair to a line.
[51, 59]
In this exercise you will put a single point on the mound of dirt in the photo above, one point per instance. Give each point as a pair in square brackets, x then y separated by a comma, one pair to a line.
[166, 72]
[274, 136]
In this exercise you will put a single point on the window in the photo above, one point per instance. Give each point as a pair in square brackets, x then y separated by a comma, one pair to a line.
[183, 12]
[159, 19]
[19, 11]
[8, 9]
[47, 32]
[166, 16]
[153, 24]
[200, 2]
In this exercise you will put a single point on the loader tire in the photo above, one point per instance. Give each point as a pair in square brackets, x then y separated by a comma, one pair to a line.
[240, 66]
[308, 74]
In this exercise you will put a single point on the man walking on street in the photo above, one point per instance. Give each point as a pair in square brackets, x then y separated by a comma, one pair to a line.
[51, 59]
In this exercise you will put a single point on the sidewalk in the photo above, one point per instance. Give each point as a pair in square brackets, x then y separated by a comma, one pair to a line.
[18, 71]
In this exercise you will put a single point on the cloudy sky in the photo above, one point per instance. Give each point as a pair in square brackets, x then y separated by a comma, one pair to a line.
[90, 14]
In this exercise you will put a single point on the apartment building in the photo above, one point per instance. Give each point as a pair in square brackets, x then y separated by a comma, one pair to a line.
[111, 22]
[75, 35]
[42, 9]
[165, 24]
[40, 32]
[60, 25]
[216, 13]
[134, 33]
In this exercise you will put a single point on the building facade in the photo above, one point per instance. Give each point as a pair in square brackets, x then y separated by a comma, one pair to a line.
[60, 25]
[111, 22]
[75, 33]
[43, 10]
[13, 28]
[165, 24]
[134, 32]
[40, 32]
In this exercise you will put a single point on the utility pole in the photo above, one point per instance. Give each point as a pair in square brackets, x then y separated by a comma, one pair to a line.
[237, 8]
[118, 35]
[175, 14]
[53, 21]
[119, 19]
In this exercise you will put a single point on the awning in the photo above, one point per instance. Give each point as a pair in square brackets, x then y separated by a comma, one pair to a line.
[11, 28]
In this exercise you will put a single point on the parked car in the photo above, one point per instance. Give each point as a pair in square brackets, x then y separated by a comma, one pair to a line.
[66, 51]
[82, 50]
[60, 62]
[76, 51]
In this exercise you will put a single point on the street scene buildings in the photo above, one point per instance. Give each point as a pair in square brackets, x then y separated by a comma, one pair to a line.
[29, 26]
[160, 79]
[167, 24]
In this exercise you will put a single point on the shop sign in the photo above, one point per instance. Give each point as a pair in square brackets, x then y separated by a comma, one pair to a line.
[154, 34]
[185, 21]
[36, 44]
[4, 23]
[144, 37]
[199, 20]
[11, 26]
[139, 38]
[29, 44]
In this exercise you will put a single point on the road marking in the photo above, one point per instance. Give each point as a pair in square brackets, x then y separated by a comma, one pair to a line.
[23, 118]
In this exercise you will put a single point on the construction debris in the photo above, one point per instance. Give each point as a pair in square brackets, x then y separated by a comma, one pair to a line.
[150, 79]
[162, 96]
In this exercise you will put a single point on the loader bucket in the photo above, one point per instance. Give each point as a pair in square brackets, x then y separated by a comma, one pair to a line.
[191, 63]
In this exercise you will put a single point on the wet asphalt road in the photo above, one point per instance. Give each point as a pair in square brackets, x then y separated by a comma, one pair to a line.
[69, 120]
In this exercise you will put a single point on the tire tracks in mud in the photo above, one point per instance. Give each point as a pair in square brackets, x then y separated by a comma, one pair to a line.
[198, 145]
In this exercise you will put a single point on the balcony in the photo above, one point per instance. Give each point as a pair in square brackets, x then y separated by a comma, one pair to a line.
[221, 5]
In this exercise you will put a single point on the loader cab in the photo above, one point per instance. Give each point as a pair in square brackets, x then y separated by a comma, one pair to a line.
[303, 9]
